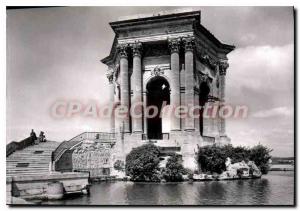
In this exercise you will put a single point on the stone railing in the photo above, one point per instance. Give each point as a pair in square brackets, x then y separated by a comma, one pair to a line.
[13, 146]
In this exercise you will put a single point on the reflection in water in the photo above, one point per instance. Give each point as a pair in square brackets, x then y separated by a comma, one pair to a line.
[276, 188]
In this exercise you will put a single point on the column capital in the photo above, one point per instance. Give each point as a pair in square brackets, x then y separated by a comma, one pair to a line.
[122, 50]
[174, 45]
[110, 75]
[188, 43]
[136, 48]
[223, 65]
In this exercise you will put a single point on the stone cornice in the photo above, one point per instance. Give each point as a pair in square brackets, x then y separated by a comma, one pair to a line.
[160, 17]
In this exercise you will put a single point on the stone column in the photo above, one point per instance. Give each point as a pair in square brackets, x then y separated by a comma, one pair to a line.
[223, 65]
[208, 120]
[189, 80]
[137, 120]
[197, 120]
[110, 77]
[144, 116]
[174, 83]
[124, 87]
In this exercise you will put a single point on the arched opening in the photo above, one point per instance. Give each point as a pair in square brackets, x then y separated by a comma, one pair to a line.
[158, 91]
[203, 97]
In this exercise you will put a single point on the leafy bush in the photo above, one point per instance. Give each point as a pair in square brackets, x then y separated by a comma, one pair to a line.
[212, 158]
[119, 165]
[174, 169]
[142, 163]
[261, 156]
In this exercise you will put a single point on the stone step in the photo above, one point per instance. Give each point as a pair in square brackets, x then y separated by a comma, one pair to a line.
[24, 167]
[29, 166]
[35, 152]
[34, 169]
[27, 170]
[25, 161]
[28, 160]
[31, 153]
[29, 156]
[38, 163]
[27, 173]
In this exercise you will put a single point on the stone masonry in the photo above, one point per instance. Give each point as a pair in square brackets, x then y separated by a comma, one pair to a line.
[171, 50]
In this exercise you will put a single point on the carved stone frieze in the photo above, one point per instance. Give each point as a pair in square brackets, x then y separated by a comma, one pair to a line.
[157, 71]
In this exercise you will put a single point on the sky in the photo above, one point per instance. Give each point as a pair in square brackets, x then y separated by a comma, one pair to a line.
[54, 54]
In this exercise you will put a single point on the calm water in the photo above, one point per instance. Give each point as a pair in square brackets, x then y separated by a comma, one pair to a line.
[276, 188]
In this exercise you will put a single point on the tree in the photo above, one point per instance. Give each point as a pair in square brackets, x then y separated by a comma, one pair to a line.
[212, 158]
[142, 163]
[174, 169]
[261, 156]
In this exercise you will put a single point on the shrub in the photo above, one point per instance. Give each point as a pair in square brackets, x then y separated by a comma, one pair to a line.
[119, 165]
[261, 156]
[212, 158]
[174, 169]
[142, 163]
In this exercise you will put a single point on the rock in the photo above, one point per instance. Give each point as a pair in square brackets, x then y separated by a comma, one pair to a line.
[255, 170]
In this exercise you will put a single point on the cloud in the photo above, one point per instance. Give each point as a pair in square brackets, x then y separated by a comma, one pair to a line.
[248, 37]
[275, 112]
[261, 77]
[266, 71]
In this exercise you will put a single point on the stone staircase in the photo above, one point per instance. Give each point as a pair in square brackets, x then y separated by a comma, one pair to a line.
[167, 146]
[31, 160]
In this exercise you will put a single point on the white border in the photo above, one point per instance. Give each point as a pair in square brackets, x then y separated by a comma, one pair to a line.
[106, 3]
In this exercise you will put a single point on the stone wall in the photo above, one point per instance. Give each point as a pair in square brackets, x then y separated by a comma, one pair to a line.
[35, 186]
[94, 157]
